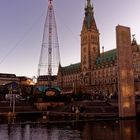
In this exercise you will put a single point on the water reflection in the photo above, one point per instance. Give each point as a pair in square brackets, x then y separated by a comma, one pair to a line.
[101, 130]
[128, 130]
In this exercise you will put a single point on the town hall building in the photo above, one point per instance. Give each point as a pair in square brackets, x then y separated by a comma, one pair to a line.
[97, 70]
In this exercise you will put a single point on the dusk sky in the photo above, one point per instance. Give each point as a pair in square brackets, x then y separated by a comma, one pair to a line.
[22, 25]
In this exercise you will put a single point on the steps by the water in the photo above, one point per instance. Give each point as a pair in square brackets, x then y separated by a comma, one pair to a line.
[22, 106]
[89, 107]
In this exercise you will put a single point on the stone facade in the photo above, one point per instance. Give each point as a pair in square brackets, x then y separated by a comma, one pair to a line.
[6, 78]
[46, 80]
[97, 71]
[125, 72]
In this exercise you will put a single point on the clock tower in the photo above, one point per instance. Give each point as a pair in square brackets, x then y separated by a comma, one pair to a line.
[90, 48]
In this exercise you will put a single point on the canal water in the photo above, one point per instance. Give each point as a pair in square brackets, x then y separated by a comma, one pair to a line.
[95, 130]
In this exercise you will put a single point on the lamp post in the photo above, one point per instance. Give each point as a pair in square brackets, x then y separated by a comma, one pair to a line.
[12, 99]
[10, 93]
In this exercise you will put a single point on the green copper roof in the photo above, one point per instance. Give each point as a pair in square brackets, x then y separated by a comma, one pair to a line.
[70, 68]
[107, 57]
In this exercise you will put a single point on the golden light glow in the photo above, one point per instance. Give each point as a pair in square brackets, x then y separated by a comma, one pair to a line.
[123, 73]
[126, 105]
[126, 90]
[50, 93]
[128, 130]
[32, 83]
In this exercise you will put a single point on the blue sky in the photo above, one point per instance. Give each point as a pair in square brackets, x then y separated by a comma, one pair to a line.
[22, 22]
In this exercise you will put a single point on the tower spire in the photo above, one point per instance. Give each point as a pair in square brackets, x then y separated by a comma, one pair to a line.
[90, 45]
[89, 15]
[50, 2]
[89, 3]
